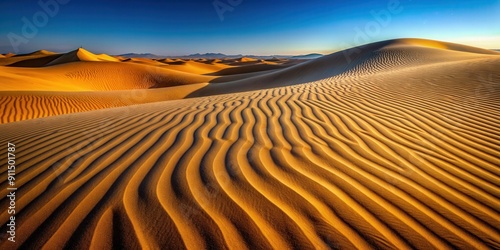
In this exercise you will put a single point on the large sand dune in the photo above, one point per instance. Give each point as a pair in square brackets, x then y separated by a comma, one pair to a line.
[375, 58]
[396, 149]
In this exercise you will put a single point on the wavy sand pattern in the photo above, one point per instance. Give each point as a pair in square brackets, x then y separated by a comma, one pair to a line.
[368, 158]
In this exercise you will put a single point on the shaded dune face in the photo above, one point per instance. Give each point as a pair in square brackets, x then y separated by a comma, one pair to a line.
[399, 150]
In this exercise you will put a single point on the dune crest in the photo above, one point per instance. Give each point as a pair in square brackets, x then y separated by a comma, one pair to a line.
[442, 45]
[80, 55]
[42, 52]
[247, 59]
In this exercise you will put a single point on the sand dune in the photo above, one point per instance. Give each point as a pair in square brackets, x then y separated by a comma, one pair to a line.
[31, 59]
[247, 69]
[396, 149]
[166, 60]
[78, 76]
[247, 59]
[145, 61]
[42, 52]
[214, 61]
[442, 45]
[84, 86]
[81, 55]
[376, 58]
[43, 58]
[195, 67]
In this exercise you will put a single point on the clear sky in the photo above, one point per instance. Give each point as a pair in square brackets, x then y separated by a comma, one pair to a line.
[258, 27]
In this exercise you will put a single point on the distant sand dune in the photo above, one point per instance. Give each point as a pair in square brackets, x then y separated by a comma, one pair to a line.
[247, 69]
[30, 83]
[247, 59]
[81, 55]
[12, 59]
[42, 58]
[88, 76]
[43, 52]
[145, 61]
[398, 150]
[34, 61]
[195, 67]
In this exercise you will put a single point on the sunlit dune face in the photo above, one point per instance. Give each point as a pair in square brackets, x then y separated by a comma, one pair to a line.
[423, 43]
[432, 44]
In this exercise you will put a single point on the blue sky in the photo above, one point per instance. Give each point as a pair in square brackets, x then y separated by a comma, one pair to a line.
[248, 26]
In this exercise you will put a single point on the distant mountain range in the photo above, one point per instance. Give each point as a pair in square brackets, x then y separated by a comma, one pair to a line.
[219, 56]
[308, 56]
[211, 56]
[142, 55]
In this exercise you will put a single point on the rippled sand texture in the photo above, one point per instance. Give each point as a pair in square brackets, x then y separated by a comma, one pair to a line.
[398, 149]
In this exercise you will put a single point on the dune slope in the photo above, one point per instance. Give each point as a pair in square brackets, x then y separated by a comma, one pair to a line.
[94, 76]
[383, 159]
[374, 58]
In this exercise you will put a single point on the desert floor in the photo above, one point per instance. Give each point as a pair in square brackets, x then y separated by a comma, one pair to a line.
[391, 145]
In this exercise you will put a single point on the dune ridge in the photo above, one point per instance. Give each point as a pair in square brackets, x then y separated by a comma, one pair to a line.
[398, 150]
[81, 54]
[42, 52]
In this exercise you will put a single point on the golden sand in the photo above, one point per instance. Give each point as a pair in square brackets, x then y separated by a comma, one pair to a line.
[396, 148]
